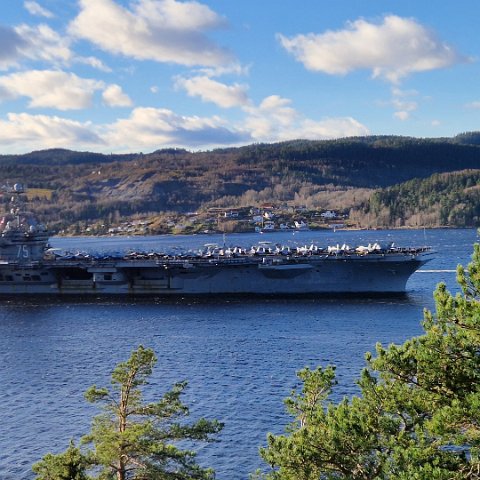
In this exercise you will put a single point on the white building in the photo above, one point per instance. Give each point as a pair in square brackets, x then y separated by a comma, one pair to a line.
[329, 214]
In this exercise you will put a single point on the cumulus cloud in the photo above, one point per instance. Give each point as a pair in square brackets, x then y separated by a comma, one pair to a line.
[160, 30]
[43, 43]
[392, 49]
[147, 129]
[39, 43]
[50, 89]
[151, 128]
[41, 131]
[275, 120]
[113, 96]
[225, 96]
[271, 118]
[35, 9]
[331, 128]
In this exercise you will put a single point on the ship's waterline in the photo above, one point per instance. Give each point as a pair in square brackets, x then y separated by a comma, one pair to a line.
[382, 271]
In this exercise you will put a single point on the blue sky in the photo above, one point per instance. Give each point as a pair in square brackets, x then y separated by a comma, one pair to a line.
[141, 75]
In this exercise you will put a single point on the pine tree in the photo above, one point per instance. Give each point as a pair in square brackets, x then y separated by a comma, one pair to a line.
[134, 440]
[418, 414]
[69, 465]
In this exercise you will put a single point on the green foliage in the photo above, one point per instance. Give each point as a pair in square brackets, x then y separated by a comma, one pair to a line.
[449, 199]
[70, 465]
[418, 413]
[134, 440]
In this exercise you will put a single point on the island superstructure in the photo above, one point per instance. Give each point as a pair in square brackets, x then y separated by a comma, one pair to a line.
[28, 266]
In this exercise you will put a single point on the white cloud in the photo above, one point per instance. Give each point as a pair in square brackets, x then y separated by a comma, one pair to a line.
[402, 115]
[225, 96]
[271, 118]
[331, 128]
[148, 129]
[35, 9]
[31, 132]
[233, 68]
[50, 89]
[160, 30]
[404, 106]
[398, 92]
[43, 43]
[275, 120]
[94, 63]
[152, 128]
[40, 43]
[475, 105]
[113, 96]
[392, 49]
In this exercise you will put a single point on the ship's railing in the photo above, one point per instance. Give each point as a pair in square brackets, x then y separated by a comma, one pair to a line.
[22, 264]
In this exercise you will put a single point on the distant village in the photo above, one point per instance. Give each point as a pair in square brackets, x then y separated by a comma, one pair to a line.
[262, 219]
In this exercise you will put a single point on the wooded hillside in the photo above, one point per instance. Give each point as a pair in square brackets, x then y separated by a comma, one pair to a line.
[343, 174]
[446, 199]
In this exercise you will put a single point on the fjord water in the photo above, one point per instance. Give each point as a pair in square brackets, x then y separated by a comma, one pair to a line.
[239, 355]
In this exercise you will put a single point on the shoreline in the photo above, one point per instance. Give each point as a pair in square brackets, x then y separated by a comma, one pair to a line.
[218, 232]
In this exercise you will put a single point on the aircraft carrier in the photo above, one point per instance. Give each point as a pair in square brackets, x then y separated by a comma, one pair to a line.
[29, 267]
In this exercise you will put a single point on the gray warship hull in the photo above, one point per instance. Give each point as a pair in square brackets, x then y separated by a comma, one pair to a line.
[375, 273]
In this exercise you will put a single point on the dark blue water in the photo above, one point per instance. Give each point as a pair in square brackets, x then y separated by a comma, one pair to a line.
[238, 355]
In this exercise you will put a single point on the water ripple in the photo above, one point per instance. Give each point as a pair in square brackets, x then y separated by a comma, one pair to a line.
[238, 355]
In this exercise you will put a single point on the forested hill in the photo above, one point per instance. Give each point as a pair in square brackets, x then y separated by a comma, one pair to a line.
[374, 161]
[336, 174]
[445, 199]
[368, 161]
